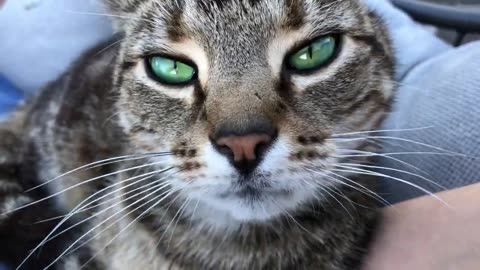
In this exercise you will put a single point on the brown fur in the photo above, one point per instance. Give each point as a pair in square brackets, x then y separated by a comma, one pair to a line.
[106, 106]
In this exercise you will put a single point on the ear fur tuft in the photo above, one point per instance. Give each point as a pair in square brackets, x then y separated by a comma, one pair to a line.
[122, 6]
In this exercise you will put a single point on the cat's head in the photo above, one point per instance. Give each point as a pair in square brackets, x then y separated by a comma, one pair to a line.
[248, 95]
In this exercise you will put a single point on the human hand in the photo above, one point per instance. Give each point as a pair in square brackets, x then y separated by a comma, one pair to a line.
[425, 234]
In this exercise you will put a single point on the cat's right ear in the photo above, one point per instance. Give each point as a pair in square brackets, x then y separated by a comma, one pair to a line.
[123, 6]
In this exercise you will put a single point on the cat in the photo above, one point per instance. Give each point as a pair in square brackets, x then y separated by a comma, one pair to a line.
[216, 135]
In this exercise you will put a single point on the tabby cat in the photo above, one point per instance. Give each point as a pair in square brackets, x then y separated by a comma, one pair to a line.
[217, 135]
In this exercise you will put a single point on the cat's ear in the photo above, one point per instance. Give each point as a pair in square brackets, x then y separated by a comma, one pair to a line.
[122, 6]
[121, 10]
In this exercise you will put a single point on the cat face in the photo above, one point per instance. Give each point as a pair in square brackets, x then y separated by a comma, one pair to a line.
[247, 96]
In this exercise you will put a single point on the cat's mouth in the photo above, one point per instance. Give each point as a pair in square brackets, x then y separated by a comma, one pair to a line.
[258, 198]
[254, 189]
[252, 193]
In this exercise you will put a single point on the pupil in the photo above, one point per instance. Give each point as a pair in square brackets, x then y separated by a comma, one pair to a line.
[175, 68]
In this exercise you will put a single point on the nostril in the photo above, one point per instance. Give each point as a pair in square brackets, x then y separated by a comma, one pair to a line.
[262, 148]
[225, 150]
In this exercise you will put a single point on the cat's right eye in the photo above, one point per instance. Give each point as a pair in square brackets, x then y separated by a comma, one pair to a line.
[171, 71]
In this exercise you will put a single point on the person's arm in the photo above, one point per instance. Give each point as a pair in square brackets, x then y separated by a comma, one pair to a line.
[424, 234]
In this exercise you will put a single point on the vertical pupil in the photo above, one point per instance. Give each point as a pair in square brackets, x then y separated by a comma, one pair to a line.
[171, 71]
[314, 55]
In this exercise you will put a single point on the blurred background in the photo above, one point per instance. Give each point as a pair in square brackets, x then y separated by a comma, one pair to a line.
[457, 21]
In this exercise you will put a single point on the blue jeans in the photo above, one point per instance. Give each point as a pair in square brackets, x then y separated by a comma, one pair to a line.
[10, 96]
[441, 97]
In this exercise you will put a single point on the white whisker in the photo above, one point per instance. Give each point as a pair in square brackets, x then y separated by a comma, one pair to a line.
[86, 208]
[129, 192]
[361, 188]
[83, 183]
[158, 184]
[106, 220]
[325, 189]
[158, 187]
[131, 223]
[100, 163]
[74, 210]
[177, 217]
[108, 47]
[404, 140]
[105, 15]
[381, 131]
[366, 172]
[394, 170]
[163, 216]
[359, 153]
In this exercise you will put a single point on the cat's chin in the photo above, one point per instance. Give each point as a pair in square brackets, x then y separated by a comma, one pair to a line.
[251, 207]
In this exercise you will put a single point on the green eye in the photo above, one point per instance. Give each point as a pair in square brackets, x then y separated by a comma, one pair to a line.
[171, 71]
[314, 55]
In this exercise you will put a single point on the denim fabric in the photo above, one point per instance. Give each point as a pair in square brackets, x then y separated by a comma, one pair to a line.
[441, 96]
[38, 42]
[412, 42]
[10, 96]
[3, 267]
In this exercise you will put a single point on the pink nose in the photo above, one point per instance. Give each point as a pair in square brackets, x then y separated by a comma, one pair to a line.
[244, 147]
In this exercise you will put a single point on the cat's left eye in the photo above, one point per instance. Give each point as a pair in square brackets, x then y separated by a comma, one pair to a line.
[315, 55]
[171, 71]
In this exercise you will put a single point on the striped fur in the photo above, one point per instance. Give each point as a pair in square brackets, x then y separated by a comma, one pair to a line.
[105, 105]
